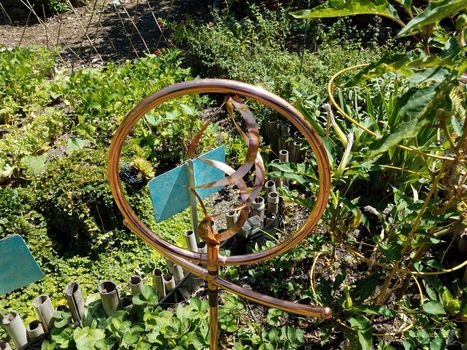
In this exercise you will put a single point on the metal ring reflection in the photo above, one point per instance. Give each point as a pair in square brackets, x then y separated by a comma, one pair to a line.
[225, 87]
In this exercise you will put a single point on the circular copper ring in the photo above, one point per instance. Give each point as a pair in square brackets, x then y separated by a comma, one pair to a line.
[226, 87]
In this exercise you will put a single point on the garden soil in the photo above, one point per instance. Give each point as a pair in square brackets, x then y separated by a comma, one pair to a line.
[103, 30]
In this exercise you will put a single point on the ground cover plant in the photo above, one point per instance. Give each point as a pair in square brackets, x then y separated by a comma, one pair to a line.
[54, 189]
[388, 255]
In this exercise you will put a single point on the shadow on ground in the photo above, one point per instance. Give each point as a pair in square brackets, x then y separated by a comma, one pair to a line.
[128, 32]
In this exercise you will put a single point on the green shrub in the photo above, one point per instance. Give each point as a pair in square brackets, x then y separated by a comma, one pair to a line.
[256, 50]
[24, 76]
[53, 150]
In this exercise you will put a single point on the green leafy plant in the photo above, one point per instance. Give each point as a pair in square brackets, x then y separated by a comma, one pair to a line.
[401, 138]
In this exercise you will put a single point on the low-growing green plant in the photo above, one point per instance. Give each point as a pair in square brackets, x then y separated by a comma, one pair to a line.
[397, 202]
[255, 49]
[53, 166]
[146, 326]
[24, 76]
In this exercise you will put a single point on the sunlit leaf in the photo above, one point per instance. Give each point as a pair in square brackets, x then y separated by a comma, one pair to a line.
[433, 308]
[35, 164]
[435, 12]
[76, 144]
[364, 331]
[349, 8]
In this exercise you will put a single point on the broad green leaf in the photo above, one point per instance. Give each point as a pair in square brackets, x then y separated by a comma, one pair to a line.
[429, 75]
[48, 345]
[349, 8]
[411, 63]
[35, 164]
[375, 310]
[76, 144]
[422, 336]
[60, 323]
[130, 337]
[392, 251]
[404, 131]
[366, 287]
[364, 331]
[151, 119]
[6, 170]
[438, 344]
[143, 345]
[408, 344]
[86, 338]
[420, 107]
[435, 12]
[451, 304]
[413, 104]
[147, 292]
[433, 308]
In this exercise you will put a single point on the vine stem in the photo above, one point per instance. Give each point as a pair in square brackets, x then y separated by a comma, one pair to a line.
[383, 295]
[312, 273]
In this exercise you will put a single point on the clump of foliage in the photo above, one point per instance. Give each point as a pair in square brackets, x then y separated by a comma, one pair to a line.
[398, 196]
[24, 76]
[145, 326]
[51, 7]
[266, 48]
[55, 132]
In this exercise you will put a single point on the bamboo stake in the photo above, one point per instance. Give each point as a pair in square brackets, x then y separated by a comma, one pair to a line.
[82, 28]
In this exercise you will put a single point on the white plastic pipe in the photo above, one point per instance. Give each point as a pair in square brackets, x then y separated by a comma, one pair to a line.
[169, 282]
[127, 303]
[175, 270]
[109, 296]
[277, 180]
[202, 248]
[257, 208]
[269, 186]
[190, 239]
[230, 219]
[283, 156]
[136, 283]
[34, 329]
[273, 204]
[13, 325]
[4, 345]
[75, 300]
[44, 310]
[158, 283]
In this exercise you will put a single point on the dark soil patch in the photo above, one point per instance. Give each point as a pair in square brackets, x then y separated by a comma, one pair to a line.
[103, 30]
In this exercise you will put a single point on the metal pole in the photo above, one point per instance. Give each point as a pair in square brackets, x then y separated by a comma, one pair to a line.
[193, 200]
[213, 293]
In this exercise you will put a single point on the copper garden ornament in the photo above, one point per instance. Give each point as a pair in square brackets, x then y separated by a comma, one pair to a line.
[189, 260]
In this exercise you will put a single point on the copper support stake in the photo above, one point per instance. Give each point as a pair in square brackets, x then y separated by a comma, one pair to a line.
[213, 294]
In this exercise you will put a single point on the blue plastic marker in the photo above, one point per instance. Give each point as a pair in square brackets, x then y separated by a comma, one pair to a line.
[17, 265]
[170, 193]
